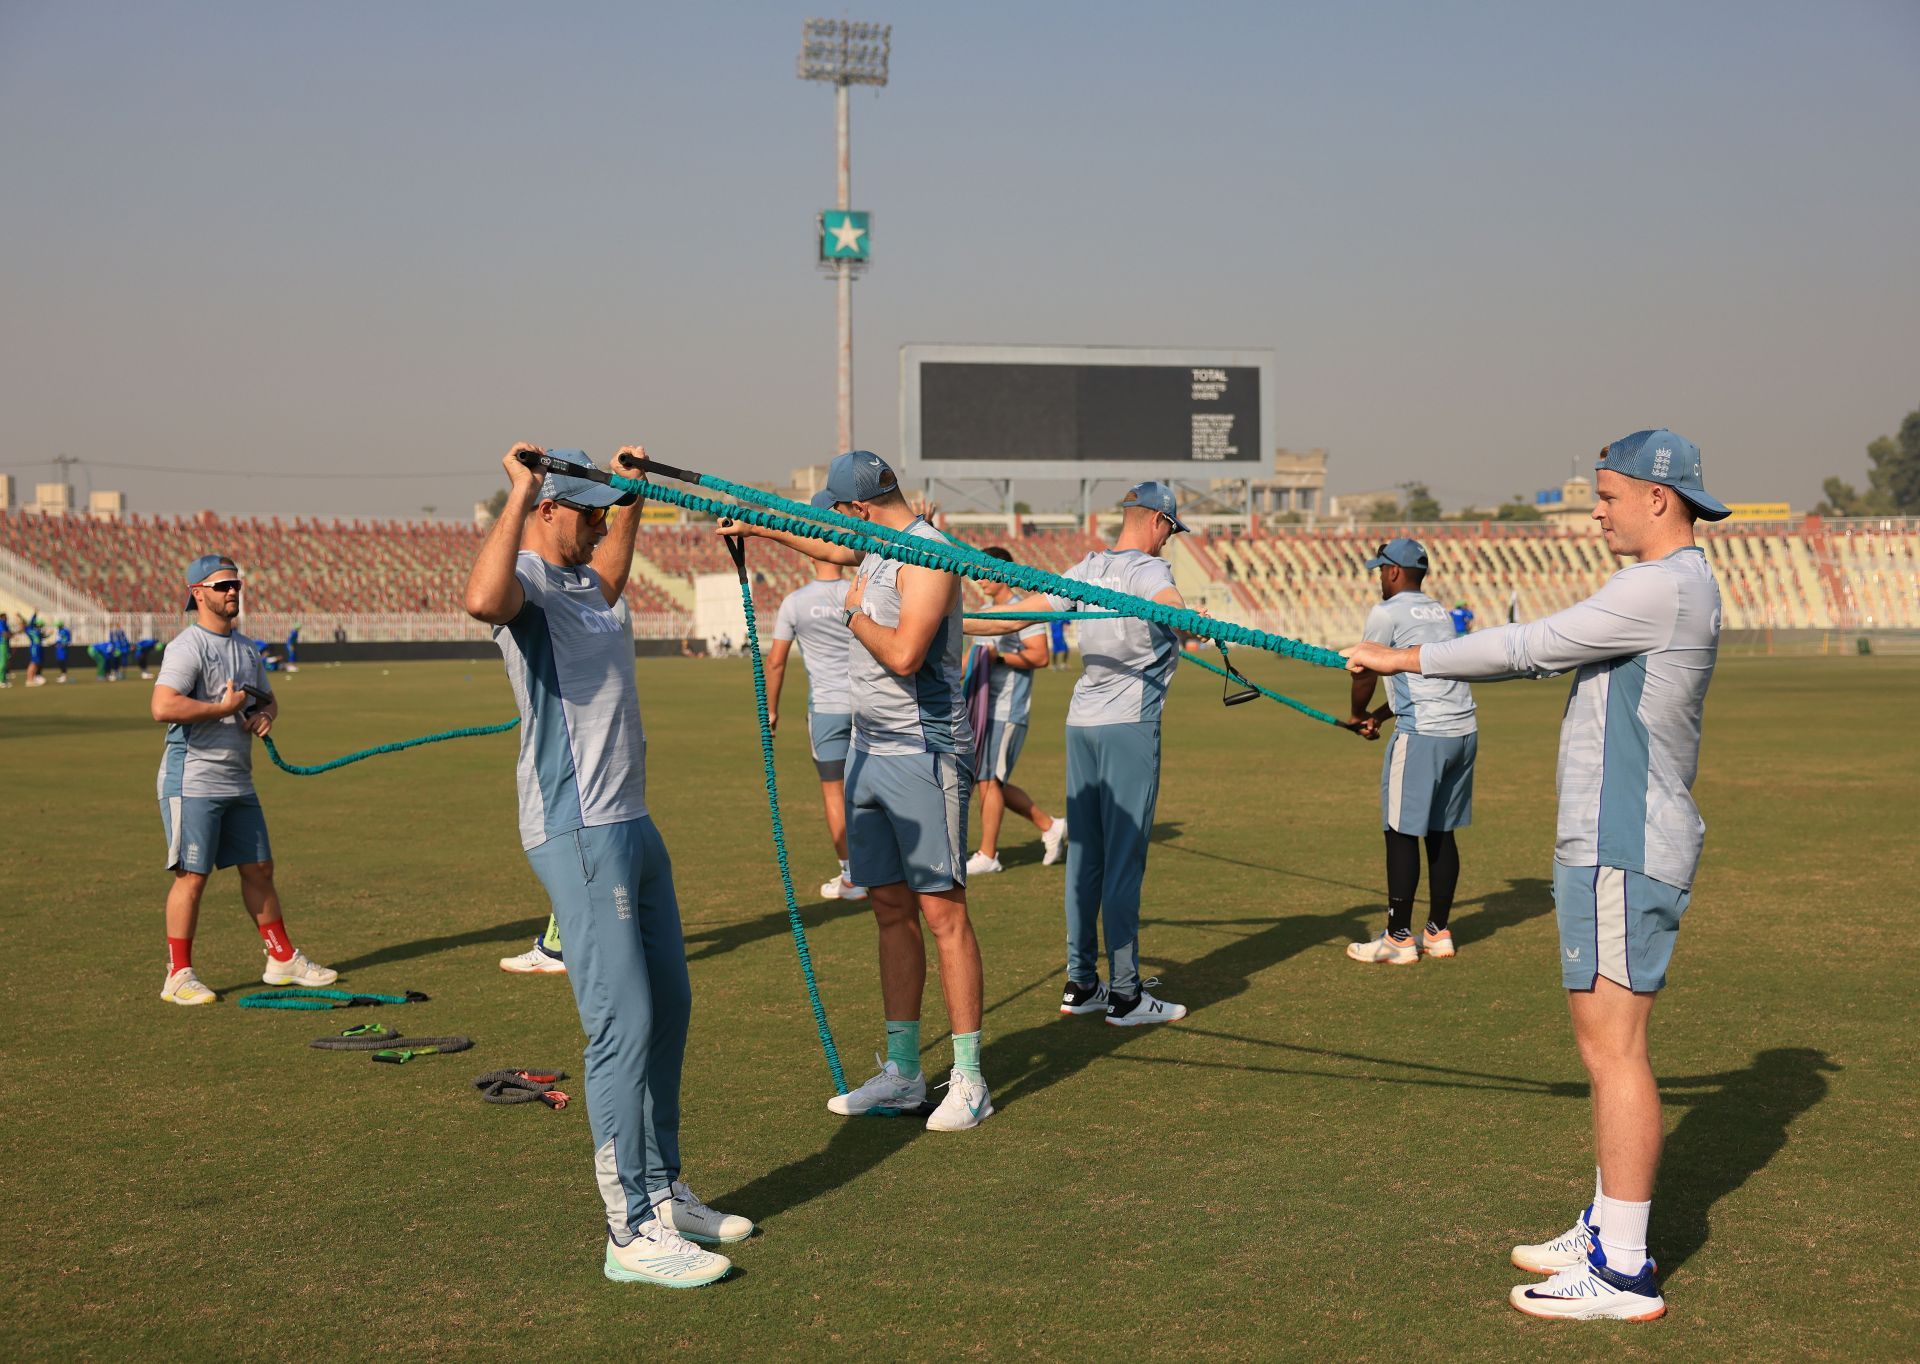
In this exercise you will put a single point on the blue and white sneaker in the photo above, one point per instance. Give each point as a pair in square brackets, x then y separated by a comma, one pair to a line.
[1589, 1291]
[967, 1104]
[658, 1254]
[1562, 1252]
[886, 1095]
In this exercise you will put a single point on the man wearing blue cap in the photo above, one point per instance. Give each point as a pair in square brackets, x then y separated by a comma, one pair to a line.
[815, 616]
[546, 579]
[213, 697]
[907, 776]
[1426, 777]
[1113, 761]
[1643, 650]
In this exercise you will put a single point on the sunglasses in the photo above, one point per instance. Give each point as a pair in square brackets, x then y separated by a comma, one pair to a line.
[596, 516]
[224, 585]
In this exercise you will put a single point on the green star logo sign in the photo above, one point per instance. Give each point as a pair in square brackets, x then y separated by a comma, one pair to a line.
[843, 235]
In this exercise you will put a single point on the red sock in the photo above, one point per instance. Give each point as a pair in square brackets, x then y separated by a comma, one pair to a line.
[276, 935]
[179, 953]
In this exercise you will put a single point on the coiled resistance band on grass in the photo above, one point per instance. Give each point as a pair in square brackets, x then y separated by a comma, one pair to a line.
[315, 769]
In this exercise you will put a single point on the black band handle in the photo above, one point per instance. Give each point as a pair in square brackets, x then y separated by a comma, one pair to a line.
[737, 547]
[542, 463]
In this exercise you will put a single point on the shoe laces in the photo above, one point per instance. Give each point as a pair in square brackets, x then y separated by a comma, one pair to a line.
[686, 1198]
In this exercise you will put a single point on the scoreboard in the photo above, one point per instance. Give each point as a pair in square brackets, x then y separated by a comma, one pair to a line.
[1084, 412]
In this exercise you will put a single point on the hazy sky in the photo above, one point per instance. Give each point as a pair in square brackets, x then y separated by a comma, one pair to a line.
[346, 237]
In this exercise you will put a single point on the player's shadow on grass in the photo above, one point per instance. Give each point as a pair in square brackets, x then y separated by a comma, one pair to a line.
[1734, 1126]
[447, 942]
[717, 941]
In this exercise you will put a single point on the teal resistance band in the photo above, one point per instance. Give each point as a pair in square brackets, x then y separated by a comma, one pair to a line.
[298, 998]
[739, 552]
[315, 769]
[1300, 706]
[1047, 615]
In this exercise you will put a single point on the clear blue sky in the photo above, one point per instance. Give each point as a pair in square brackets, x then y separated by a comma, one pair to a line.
[1482, 239]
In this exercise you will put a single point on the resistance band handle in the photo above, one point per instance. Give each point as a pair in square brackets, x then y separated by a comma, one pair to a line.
[540, 463]
[737, 547]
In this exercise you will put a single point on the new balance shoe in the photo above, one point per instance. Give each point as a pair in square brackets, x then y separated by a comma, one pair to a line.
[1590, 1291]
[886, 1095]
[1054, 840]
[184, 987]
[1084, 999]
[1142, 1009]
[535, 961]
[840, 888]
[1386, 948]
[967, 1105]
[297, 970]
[1437, 944]
[658, 1254]
[982, 865]
[1562, 1252]
[686, 1214]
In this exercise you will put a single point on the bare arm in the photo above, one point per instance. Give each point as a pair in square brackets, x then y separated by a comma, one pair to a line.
[613, 560]
[171, 708]
[494, 594]
[1364, 685]
[926, 596]
[776, 666]
[1033, 653]
[813, 549]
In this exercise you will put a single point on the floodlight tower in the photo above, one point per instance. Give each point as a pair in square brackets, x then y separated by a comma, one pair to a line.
[844, 54]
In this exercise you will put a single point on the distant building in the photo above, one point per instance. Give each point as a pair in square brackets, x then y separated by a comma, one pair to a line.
[6, 492]
[1297, 486]
[1573, 506]
[106, 505]
[1360, 506]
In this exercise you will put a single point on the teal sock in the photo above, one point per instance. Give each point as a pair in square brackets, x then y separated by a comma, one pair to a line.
[966, 1054]
[903, 1046]
[550, 940]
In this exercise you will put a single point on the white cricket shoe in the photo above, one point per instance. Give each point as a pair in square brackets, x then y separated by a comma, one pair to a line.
[1142, 1009]
[184, 987]
[1562, 1252]
[686, 1214]
[1054, 840]
[1386, 948]
[982, 865]
[1437, 944]
[658, 1254]
[1589, 1291]
[535, 961]
[840, 888]
[297, 970]
[967, 1104]
[886, 1094]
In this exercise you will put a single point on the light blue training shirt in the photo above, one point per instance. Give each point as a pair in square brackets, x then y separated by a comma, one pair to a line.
[1127, 663]
[213, 757]
[583, 749]
[814, 617]
[1421, 705]
[925, 712]
[1010, 690]
[1644, 647]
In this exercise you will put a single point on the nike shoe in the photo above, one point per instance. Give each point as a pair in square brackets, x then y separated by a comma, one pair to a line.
[686, 1214]
[535, 961]
[1084, 999]
[184, 987]
[297, 970]
[1590, 1291]
[1437, 944]
[1562, 1252]
[840, 888]
[982, 865]
[1054, 840]
[967, 1105]
[658, 1254]
[1142, 1009]
[1386, 948]
[886, 1095]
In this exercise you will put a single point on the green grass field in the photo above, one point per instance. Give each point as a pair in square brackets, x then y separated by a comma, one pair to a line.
[1323, 1161]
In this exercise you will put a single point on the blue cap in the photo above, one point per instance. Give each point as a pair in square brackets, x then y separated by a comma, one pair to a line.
[1401, 553]
[204, 568]
[821, 501]
[1155, 496]
[582, 492]
[859, 476]
[1660, 456]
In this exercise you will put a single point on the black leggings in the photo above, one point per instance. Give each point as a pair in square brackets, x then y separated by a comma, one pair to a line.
[1403, 878]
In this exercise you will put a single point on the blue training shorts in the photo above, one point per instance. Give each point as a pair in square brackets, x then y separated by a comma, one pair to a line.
[998, 750]
[907, 819]
[828, 734]
[208, 832]
[1426, 782]
[1617, 924]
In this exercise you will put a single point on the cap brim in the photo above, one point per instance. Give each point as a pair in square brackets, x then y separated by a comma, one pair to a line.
[1377, 561]
[1178, 524]
[586, 493]
[1708, 507]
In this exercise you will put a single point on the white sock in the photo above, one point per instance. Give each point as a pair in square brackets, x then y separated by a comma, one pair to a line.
[843, 872]
[1599, 1191]
[1623, 1233]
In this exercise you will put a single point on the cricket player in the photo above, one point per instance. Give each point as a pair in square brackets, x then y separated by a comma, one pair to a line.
[1642, 649]
[214, 700]
[907, 771]
[6, 649]
[546, 579]
[1015, 657]
[814, 618]
[1426, 777]
[62, 637]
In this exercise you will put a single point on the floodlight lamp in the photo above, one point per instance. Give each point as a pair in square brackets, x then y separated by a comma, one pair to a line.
[844, 53]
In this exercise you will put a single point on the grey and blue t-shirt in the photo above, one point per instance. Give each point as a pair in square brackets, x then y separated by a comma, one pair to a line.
[1644, 646]
[1010, 690]
[814, 617]
[1421, 705]
[1126, 663]
[927, 711]
[213, 757]
[583, 750]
